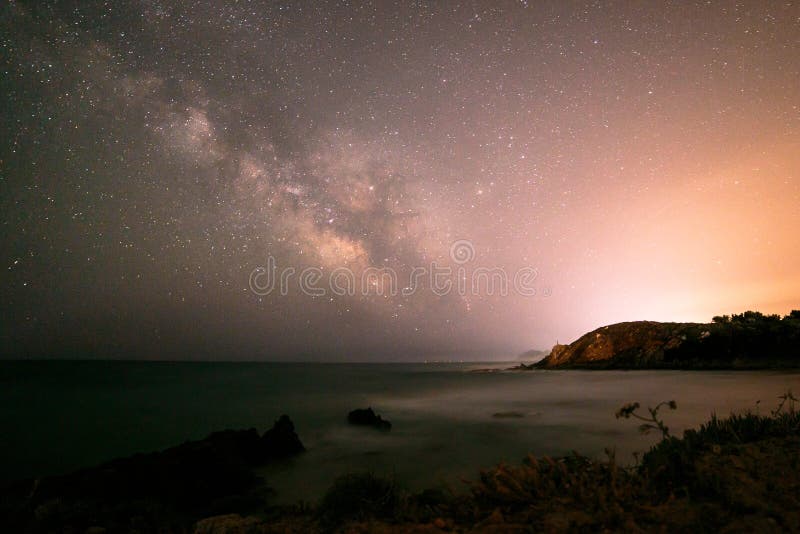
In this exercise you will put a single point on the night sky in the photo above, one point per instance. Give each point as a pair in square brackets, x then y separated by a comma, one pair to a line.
[641, 160]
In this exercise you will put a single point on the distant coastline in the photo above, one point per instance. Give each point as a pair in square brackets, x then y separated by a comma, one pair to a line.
[533, 355]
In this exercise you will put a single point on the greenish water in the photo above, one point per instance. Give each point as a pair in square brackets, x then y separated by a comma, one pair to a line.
[58, 416]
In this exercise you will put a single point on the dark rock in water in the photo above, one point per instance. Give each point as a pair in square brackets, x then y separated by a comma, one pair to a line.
[508, 415]
[281, 440]
[522, 367]
[366, 417]
[160, 491]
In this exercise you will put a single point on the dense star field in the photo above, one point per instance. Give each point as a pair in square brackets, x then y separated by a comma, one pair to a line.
[159, 158]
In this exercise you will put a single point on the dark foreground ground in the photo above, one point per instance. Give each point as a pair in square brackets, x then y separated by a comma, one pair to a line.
[738, 474]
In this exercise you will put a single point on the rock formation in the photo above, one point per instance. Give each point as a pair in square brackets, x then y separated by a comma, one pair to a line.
[367, 417]
[157, 491]
[746, 341]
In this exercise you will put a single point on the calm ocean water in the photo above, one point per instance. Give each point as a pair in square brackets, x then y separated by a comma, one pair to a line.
[58, 416]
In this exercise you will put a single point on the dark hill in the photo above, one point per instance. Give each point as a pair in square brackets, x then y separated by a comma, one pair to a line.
[749, 340]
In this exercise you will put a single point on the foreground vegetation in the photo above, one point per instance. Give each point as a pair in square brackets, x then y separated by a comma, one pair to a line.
[739, 474]
[735, 474]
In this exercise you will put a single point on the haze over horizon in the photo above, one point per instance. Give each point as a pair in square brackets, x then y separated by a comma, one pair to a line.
[640, 161]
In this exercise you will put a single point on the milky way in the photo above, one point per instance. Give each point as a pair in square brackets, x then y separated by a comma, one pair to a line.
[641, 161]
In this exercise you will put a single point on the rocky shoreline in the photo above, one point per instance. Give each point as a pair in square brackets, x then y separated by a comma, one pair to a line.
[734, 474]
[154, 492]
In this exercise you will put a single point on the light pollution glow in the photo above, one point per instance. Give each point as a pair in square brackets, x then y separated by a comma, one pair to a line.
[644, 159]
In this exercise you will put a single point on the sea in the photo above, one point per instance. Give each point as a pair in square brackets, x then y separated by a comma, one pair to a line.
[449, 420]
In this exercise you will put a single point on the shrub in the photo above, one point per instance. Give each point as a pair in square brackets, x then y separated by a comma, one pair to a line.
[360, 496]
[671, 463]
